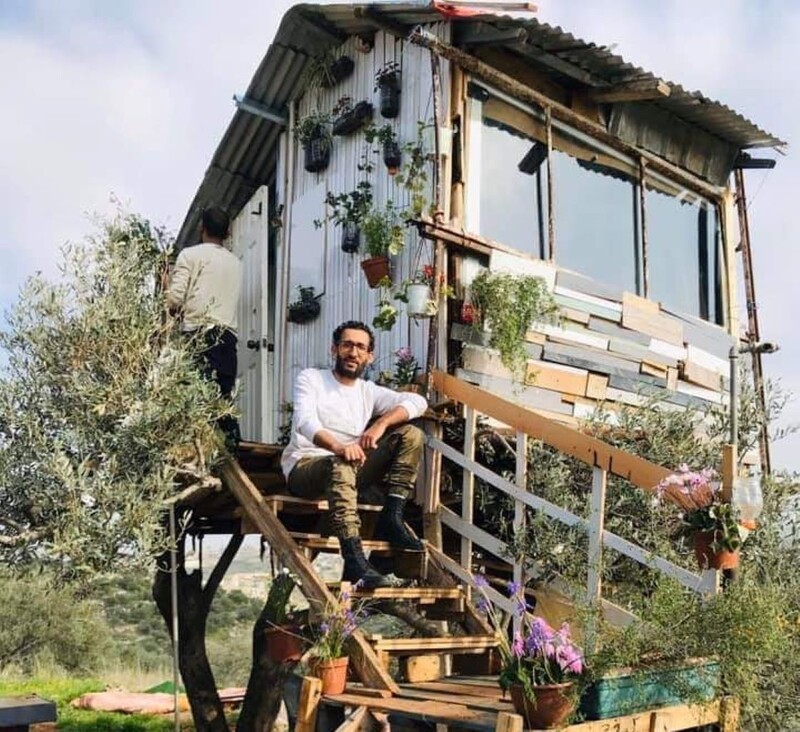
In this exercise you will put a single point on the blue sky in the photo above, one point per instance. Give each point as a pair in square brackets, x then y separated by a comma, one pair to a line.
[131, 97]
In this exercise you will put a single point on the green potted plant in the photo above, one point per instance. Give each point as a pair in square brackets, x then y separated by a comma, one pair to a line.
[710, 521]
[314, 134]
[348, 210]
[350, 118]
[387, 83]
[337, 623]
[383, 234]
[306, 308]
[392, 153]
[387, 313]
[540, 666]
[328, 70]
[507, 305]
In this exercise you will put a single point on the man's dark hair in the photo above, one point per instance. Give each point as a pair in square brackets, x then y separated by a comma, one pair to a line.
[216, 222]
[353, 325]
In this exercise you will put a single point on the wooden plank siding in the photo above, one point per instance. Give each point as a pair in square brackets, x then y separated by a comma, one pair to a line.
[610, 346]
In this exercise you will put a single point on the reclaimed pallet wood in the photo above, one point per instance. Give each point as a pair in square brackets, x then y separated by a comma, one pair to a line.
[535, 397]
[693, 373]
[518, 265]
[589, 360]
[572, 333]
[638, 314]
[639, 352]
[586, 286]
[613, 329]
[703, 334]
[588, 304]
[564, 380]
[668, 349]
[707, 360]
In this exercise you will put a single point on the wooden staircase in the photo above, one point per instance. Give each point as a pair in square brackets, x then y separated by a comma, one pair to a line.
[294, 528]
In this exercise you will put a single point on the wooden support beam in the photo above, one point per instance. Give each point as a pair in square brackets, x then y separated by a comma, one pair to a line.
[632, 91]
[362, 657]
[307, 708]
[507, 722]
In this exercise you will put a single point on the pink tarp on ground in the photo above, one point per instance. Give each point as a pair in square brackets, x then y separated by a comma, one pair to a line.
[138, 703]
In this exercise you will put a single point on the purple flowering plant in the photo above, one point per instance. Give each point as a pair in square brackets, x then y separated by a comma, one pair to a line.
[699, 494]
[405, 367]
[337, 623]
[537, 655]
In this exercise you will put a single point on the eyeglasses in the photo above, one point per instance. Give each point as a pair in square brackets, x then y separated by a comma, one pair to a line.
[350, 345]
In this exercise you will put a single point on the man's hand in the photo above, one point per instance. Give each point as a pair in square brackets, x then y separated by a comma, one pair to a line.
[369, 440]
[351, 453]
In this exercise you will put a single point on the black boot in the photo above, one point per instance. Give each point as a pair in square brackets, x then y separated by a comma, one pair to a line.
[357, 568]
[392, 528]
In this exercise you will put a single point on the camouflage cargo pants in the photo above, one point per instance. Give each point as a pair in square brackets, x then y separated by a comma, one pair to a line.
[393, 464]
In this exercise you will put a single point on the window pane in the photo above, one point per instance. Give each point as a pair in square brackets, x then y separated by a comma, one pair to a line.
[513, 203]
[683, 253]
[595, 221]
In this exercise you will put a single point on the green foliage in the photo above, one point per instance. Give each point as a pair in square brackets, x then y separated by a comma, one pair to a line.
[509, 304]
[39, 618]
[314, 125]
[383, 231]
[351, 207]
[102, 408]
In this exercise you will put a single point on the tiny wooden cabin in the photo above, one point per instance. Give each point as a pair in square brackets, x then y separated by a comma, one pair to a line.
[523, 150]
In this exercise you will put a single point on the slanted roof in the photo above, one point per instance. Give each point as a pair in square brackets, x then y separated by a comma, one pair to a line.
[247, 155]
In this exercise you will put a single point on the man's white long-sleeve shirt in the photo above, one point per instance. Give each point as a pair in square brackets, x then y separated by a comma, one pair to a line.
[323, 403]
[205, 285]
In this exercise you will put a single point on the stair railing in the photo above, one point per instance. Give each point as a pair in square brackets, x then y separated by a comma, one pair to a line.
[604, 459]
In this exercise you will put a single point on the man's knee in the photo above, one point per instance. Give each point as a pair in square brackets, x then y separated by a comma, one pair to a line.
[412, 437]
[340, 471]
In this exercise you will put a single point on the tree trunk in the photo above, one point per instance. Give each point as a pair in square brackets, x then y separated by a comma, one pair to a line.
[194, 603]
[262, 700]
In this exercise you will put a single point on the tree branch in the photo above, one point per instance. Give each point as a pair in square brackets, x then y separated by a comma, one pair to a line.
[221, 568]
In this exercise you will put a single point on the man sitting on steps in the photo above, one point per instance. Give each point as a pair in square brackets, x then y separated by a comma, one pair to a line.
[336, 448]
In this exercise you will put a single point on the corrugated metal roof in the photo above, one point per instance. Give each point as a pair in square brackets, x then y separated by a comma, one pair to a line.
[247, 155]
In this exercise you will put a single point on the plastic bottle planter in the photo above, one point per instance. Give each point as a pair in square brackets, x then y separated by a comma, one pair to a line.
[317, 153]
[389, 91]
[338, 71]
[351, 238]
[392, 156]
[353, 119]
[419, 299]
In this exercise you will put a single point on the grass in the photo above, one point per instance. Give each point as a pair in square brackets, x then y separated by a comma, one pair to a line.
[64, 690]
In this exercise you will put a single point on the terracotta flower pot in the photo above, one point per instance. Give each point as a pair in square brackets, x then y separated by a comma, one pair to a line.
[332, 673]
[550, 706]
[707, 558]
[375, 269]
[284, 644]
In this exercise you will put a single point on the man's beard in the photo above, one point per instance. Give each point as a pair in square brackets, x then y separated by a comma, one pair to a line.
[341, 368]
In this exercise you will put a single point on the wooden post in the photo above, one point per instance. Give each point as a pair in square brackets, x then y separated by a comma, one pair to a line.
[468, 490]
[596, 525]
[729, 714]
[310, 695]
[729, 458]
[431, 524]
[519, 513]
[507, 722]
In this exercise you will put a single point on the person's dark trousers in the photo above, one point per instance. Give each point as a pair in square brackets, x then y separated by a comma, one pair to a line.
[218, 362]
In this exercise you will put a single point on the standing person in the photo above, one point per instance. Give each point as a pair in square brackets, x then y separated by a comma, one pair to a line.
[204, 288]
[336, 448]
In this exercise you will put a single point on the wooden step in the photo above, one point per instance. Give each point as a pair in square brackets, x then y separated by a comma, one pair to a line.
[417, 646]
[331, 543]
[420, 595]
[292, 504]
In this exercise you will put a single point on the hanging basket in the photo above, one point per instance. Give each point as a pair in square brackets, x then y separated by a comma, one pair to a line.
[304, 311]
[419, 300]
[338, 71]
[375, 269]
[392, 156]
[551, 704]
[353, 120]
[389, 89]
[332, 673]
[708, 558]
[284, 644]
[317, 154]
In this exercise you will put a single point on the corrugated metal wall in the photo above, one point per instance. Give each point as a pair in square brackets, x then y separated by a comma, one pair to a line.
[347, 295]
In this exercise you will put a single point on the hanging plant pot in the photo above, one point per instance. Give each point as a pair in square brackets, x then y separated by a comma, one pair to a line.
[306, 309]
[284, 644]
[338, 71]
[353, 119]
[317, 154]
[375, 269]
[351, 238]
[419, 300]
[551, 705]
[332, 673]
[708, 558]
[389, 89]
[392, 156]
